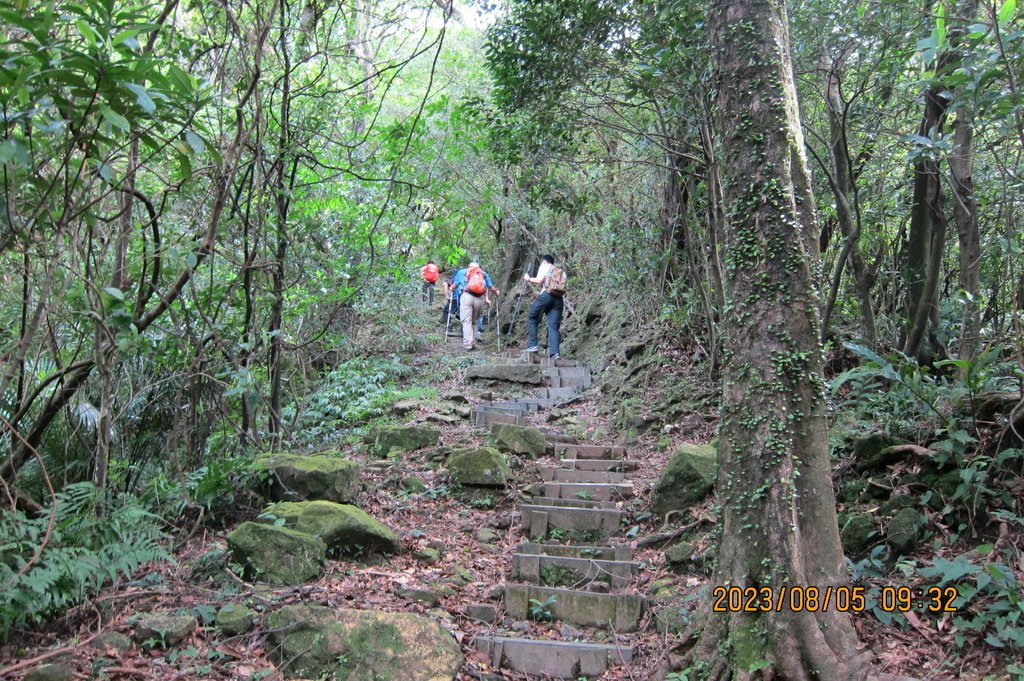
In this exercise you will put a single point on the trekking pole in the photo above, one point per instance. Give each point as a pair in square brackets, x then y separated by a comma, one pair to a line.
[448, 320]
[519, 305]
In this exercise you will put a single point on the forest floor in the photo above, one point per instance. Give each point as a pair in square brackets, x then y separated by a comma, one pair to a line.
[468, 572]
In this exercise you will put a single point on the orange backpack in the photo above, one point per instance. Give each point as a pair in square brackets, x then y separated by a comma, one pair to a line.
[430, 273]
[475, 282]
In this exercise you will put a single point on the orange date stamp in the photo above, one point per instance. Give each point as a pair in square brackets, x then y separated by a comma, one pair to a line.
[934, 599]
[792, 598]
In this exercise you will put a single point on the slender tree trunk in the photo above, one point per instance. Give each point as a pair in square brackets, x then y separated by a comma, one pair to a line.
[779, 526]
[847, 212]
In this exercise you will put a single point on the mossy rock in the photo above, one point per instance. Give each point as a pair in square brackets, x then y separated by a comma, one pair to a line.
[113, 640]
[518, 440]
[51, 672]
[480, 467]
[360, 645]
[857, 531]
[388, 440]
[687, 479]
[413, 485]
[277, 555]
[873, 451]
[671, 619]
[904, 531]
[680, 555]
[234, 619]
[345, 529]
[327, 475]
[164, 630]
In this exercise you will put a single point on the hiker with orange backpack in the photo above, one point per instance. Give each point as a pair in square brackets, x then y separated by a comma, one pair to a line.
[549, 303]
[429, 272]
[473, 283]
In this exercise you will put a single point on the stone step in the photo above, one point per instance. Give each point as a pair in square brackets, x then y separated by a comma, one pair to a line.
[510, 408]
[537, 520]
[551, 437]
[589, 451]
[598, 465]
[570, 475]
[597, 491]
[569, 502]
[567, 372]
[617, 552]
[538, 404]
[619, 612]
[570, 571]
[552, 659]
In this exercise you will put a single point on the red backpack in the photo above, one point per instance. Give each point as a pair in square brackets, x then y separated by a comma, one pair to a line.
[475, 281]
[429, 272]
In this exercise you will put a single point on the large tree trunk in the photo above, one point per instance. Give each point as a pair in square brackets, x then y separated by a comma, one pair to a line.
[779, 526]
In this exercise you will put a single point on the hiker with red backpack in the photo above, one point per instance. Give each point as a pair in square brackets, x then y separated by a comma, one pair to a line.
[473, 284]
[549, 303]
[429, 272]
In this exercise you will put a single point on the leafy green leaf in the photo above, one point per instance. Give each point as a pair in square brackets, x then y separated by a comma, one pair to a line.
[142, 97]
[195, 141]
[1006, 11]
[115, 119]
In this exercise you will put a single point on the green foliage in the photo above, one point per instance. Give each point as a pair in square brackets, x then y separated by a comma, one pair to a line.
[541, 610]
[95, 541]
[351, 395]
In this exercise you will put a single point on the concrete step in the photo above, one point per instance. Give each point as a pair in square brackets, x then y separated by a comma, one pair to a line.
[597, 491]
[539, 568]
[562, 394]
[567, 451]
[551, 437]
[552, 659]
[488, 419]
[543, 360]
[568, 502]
[598, 465]
[616, 552]
[570, 475]
[537, 520]
[619, 612]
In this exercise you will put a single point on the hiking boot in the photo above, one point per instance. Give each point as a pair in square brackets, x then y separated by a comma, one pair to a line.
[556, 356]
[532, 348]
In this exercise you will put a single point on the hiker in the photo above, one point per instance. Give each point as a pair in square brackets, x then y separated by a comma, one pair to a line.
[429, 272]
[549, 303]
[473, 284]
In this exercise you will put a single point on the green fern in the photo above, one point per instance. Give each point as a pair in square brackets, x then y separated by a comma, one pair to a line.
[86, 551]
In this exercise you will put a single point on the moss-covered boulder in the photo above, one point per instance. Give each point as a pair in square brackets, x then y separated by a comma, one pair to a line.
[480, 467]
[327, 475]
[686, 480]
[164, 630]
[234, 619]
[874, 451]
[857, 531]
[114, 642]
[904, 531]
[530, 374]
[345, 529]
[360, 645]
[51, 672]
[277, 555]
[388, 440]
[518, 440]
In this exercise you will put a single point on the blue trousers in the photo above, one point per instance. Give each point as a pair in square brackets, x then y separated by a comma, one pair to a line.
[551, 307]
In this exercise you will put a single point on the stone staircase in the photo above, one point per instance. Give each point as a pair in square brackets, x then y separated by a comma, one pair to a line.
[585, 583]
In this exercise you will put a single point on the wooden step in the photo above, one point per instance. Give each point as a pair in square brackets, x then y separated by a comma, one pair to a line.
[615, 552]
[571, 475]
[597, 491]
[619, 612]
[552, 659]
[537, 520]
[488, 419]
